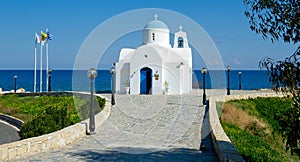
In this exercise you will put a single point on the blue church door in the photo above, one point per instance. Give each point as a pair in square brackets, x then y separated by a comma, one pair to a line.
[145, 80]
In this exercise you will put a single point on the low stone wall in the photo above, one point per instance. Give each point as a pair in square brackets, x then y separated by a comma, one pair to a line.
[53, 140]
[222, 144]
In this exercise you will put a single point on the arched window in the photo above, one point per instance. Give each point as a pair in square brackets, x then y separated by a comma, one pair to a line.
[180, 42]
[153, 36]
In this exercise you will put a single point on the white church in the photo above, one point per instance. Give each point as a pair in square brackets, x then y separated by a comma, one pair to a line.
[156, 67]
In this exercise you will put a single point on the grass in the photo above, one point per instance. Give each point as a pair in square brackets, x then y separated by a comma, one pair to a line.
[28, 108]
[251, 147]
[253, 127]
[243, 120]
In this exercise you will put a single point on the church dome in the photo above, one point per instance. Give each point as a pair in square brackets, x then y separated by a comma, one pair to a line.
[156, 24]
[156, 32]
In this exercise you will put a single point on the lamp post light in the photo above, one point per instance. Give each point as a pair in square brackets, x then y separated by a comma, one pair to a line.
[49, 80]
[112, 72]
[92, 74]
[240, 80]
[204, 70]
[15, 78]
[228, 79]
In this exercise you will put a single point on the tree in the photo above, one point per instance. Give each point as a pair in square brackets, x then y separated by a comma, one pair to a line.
[277, 19]
[280, 20]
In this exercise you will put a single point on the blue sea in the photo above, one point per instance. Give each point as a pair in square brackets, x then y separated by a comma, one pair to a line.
[68, 80]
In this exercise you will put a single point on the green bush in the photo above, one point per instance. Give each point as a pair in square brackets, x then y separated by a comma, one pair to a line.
[52, 120]
[273, 110]
[83, 104]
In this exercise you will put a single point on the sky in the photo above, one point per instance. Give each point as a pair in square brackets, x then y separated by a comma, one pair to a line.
[70, 23]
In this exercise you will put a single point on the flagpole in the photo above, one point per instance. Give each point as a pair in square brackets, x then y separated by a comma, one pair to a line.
[41, 68]
[47, 68]
[34, 80]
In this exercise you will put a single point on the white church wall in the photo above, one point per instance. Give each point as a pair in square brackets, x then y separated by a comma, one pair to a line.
[186, 78]
[126, 54]
[178, 54]
[161, 37]
[118, 75]
[172, 55]
[172, 76]
[125, 77]
[122, 74]
[134, 82]
[185, 68]
[157, 81]
[182, 60]
[145, 56]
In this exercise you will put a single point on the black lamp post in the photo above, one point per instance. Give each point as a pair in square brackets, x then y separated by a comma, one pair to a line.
[240, 80]
[204, 94]
[49, 79]
[112, 72]
[15, 78]
[92, 74]
[228, 80]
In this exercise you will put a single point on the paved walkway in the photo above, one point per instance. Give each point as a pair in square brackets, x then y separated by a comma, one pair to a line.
[8, 133]
[146, 128]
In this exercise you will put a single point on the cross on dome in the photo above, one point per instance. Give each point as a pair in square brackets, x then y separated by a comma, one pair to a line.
[180, 28]
[156, 24]
[155, 17]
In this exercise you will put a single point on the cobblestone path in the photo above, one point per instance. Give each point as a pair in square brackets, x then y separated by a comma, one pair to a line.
[144, 128]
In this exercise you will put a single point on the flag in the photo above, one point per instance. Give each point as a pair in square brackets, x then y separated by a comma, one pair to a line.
[49, 35]
[37, 39]
[44, 36]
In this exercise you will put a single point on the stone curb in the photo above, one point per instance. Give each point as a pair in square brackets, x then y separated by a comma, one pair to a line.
[225, 150]
[55, 140]
[12, 120]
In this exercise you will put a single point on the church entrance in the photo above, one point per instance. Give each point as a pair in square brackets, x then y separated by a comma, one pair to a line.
[145, 80]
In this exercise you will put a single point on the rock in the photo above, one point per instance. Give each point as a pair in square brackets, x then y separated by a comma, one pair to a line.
[21, 90]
